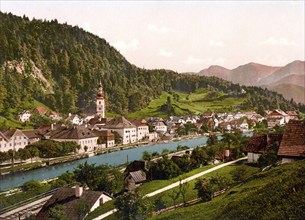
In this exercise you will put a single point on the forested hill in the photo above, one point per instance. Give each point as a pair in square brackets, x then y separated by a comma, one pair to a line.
[60, 66]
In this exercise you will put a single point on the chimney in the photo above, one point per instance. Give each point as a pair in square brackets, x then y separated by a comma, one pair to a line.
[78, 191]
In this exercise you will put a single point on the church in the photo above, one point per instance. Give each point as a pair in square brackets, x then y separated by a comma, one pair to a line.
[129, 132]
[100, 102]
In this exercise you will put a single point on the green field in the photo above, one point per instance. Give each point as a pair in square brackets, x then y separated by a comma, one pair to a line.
[10, 119]
[274, 194]
[198, 102]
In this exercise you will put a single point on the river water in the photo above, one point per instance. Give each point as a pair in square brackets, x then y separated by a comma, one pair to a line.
[114, 159]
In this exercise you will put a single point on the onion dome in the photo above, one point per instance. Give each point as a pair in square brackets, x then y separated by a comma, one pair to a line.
[100, 93]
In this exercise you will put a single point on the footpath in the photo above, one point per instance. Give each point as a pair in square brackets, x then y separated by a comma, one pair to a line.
[173, 185]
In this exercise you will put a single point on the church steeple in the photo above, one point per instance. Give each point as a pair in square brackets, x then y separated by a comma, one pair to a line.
[100, 101]
[100, 90]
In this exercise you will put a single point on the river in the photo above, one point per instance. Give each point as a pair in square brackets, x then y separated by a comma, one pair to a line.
[114, 159]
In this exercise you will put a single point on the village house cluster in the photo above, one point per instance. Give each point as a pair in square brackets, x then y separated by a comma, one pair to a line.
[96, 131]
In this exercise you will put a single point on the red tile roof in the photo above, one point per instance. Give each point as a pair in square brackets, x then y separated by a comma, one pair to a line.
[41, 110]
[293, 143]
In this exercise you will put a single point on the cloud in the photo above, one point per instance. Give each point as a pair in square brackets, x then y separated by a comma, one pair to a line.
[277, 42]
[214, 43]
[193, 60]
[164, 53]
[124, 47]
[159, 30]
[87, 27]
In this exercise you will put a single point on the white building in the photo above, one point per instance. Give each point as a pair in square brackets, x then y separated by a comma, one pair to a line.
[124, 128]
[54, 116]
[160, 127]
[12, 139]
[80, 135]
[24, 116]
[142, 128]
[74, 119]
[244, 126]
[100, 102]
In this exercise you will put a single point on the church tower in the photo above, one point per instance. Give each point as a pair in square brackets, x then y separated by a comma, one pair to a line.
[100, 102]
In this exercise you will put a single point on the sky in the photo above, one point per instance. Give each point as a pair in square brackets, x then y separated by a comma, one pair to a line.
[184, 36]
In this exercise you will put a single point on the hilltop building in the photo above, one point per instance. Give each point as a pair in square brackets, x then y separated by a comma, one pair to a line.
[24, 116]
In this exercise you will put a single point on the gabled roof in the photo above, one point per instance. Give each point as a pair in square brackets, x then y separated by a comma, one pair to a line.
[139, 122]
[98, 121]
[135, 166]
[66, 197]
[41, 110]
[103, 133]
[33, 133]
[11, 132]
[75, 133]
[277, 112]
[119, 123]
[292, 113]
[138, 176]
[3, 136]
[293, 143]
[24, 112]
[262, 143]
[47, 128]
[159, 123]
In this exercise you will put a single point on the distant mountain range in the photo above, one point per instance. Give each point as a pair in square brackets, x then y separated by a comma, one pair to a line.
[288, 80]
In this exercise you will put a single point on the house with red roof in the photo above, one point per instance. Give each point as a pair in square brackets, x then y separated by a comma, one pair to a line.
[41, 110]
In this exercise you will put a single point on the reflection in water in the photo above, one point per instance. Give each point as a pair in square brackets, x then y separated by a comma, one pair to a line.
[114, 159]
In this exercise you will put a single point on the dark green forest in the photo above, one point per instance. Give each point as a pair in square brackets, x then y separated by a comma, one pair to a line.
[73, 61]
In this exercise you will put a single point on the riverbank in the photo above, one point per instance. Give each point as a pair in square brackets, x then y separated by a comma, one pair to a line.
[23, 166]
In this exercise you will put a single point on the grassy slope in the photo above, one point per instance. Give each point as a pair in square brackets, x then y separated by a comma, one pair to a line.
[192, 194]
[197, 102]
[270, 191]
[11, 120]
